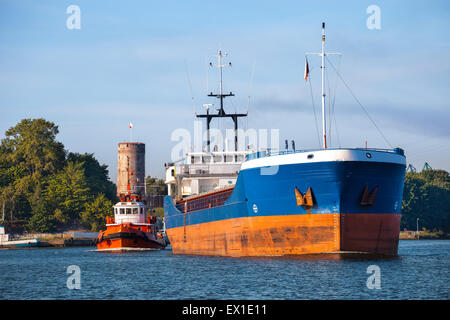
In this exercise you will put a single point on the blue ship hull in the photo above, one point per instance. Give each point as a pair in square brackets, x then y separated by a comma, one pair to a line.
[264, 195]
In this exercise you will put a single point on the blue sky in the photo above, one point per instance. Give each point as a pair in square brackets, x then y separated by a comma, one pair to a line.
[128, 62]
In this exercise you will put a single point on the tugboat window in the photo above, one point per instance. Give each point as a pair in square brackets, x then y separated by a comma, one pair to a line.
[122, 211]
[368, 155]
[128, 210]
[310, 156]
[135, 210]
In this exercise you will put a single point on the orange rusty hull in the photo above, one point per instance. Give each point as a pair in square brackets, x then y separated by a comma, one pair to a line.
[373, 233]
[289, 235]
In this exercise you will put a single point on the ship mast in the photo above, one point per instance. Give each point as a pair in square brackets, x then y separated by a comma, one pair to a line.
[322, 54]
[324, 120]
[221, 112]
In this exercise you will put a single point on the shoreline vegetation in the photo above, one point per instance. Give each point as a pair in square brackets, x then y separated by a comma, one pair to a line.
[44, 188]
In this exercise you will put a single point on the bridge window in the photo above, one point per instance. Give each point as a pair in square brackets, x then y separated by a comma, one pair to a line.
[122, 211]
[128, 210]
[195, 159]
[206, 159]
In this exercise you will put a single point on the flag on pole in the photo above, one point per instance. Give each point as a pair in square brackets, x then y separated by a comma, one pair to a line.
[306, 69]
[131, 131]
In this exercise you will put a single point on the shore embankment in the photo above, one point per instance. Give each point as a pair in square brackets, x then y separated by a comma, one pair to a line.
[60, 240]
[423, 235]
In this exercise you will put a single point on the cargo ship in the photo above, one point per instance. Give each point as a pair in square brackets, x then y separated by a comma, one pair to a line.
[289, 202]
[130, 229]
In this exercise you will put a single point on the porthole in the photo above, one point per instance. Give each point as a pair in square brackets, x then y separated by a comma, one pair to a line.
[368, 155]
[310, 156]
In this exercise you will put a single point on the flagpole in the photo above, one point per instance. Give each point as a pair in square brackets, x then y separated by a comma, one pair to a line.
[131, 132]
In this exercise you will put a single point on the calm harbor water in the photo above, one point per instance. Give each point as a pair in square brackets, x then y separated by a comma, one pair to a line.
[421, 271]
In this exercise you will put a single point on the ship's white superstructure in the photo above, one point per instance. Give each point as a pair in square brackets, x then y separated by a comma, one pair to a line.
[201, 172]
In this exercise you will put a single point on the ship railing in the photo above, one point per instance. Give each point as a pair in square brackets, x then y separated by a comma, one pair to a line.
[270, 153]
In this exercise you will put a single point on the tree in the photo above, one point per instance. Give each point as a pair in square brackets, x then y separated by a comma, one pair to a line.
[96, 175]
[39, 185]
[68, 192]
[94, 216]
[156, 186]
[42, 220]
[31, 146]
[426, 197]
[28, 155]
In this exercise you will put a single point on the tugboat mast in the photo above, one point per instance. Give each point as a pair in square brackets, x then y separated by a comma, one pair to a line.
[221, 112]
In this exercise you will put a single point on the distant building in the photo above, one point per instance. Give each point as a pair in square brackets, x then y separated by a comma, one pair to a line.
[131, 154]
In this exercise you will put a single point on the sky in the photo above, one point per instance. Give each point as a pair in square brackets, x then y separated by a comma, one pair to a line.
[147, 62]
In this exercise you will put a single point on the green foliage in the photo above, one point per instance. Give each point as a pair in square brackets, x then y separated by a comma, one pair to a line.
[159, 212]
[96, 175]
[42, 220]
[94, 215]
[43, 187]
[68, 192]
[31, 147]
[155, 186]
[426, 196]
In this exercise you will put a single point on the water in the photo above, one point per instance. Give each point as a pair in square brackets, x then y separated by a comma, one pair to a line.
[421, 271]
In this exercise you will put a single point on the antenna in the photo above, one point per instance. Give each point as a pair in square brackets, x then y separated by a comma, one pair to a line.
[251, 84]
[324, 120]
[221, 112]
[189, 83]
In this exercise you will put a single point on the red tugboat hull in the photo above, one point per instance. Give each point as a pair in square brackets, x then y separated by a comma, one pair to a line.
[128, 237]
[128, 244]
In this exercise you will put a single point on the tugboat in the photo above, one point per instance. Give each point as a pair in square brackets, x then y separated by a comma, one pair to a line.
[130, 229]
